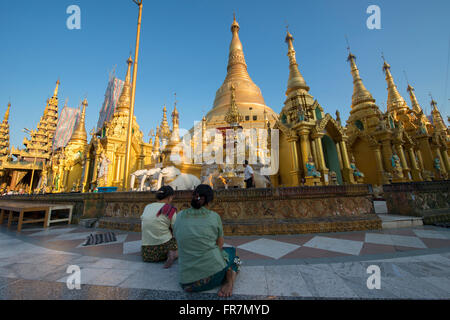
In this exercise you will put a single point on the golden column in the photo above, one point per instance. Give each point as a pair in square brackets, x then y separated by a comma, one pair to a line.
[86, 167]
[320, 159]
[133, 95]
[379, 163]
[446, 160]
[348, 172]
[415, 169]
[305, 148]
[295, 173]
[401, 154]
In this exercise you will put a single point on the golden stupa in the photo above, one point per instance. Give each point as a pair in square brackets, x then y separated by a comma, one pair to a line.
[249, 100]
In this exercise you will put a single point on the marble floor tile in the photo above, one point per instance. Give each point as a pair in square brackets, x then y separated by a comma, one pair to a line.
[286, 281]
[270, 248]
[102, 277]
[30, 271]
[7, 272]
[52, 231]
[395, 240]
[349, 269]
[156, 279]
[106, 263]
[359, 286]
[432, 234]
[338, 245]
[71, 236]
[132, 247]
[413, 288]
[425, 269]
[323, 282]
[251, 281]
[441, 282]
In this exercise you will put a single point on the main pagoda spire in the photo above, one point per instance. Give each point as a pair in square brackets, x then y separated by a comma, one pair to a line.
[237, 67]
[248, 96]
[296, 80]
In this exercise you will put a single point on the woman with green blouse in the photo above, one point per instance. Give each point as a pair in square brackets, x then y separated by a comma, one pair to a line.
[203, 262]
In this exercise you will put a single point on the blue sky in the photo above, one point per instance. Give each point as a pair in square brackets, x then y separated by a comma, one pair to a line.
[184, 49]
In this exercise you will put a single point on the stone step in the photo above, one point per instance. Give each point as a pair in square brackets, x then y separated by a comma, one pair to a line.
[392, 221]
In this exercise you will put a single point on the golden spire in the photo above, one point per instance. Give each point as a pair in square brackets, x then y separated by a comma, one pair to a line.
[6, 118]
[4, 134]
[296, 80]
[360, 93]
[395, 101]
[125, 96]
[79, 134]
[233, 117]
[55, 93]
[438, 122]
[165, 129]
[414, 103]
[175, 123]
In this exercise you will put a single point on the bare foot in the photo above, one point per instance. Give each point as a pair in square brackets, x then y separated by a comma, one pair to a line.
[227, 289]
[173, 255]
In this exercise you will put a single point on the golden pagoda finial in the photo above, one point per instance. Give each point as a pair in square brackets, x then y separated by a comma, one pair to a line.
[125, 97]
[6, 118]
[438, 121]
[55, 93]
[165, 132]
[414, 103]
[175, 122]
[360, 93]
[79, 134]
[236, 50]
[296, 80]
[395, 101]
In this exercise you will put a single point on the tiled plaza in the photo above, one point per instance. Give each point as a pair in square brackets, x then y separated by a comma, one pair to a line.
[414, 263]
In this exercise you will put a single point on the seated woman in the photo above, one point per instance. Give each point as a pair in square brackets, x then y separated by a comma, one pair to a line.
[204, 263]
[158, 243]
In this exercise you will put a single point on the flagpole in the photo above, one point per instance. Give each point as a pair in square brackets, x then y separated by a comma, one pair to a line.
[133, 94]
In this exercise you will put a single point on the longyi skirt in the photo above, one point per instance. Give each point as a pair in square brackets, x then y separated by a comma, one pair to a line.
[158, 253]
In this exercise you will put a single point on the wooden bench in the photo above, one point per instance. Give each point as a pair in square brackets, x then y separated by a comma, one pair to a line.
[26, 207]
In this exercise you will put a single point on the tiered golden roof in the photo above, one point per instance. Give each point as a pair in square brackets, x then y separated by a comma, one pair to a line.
[42, 138]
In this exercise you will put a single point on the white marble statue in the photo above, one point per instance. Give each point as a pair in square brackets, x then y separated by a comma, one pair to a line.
[177, 180]
[144, 175]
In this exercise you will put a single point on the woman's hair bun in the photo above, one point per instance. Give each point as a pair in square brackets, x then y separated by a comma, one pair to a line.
[165, 192]
[203, 195]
